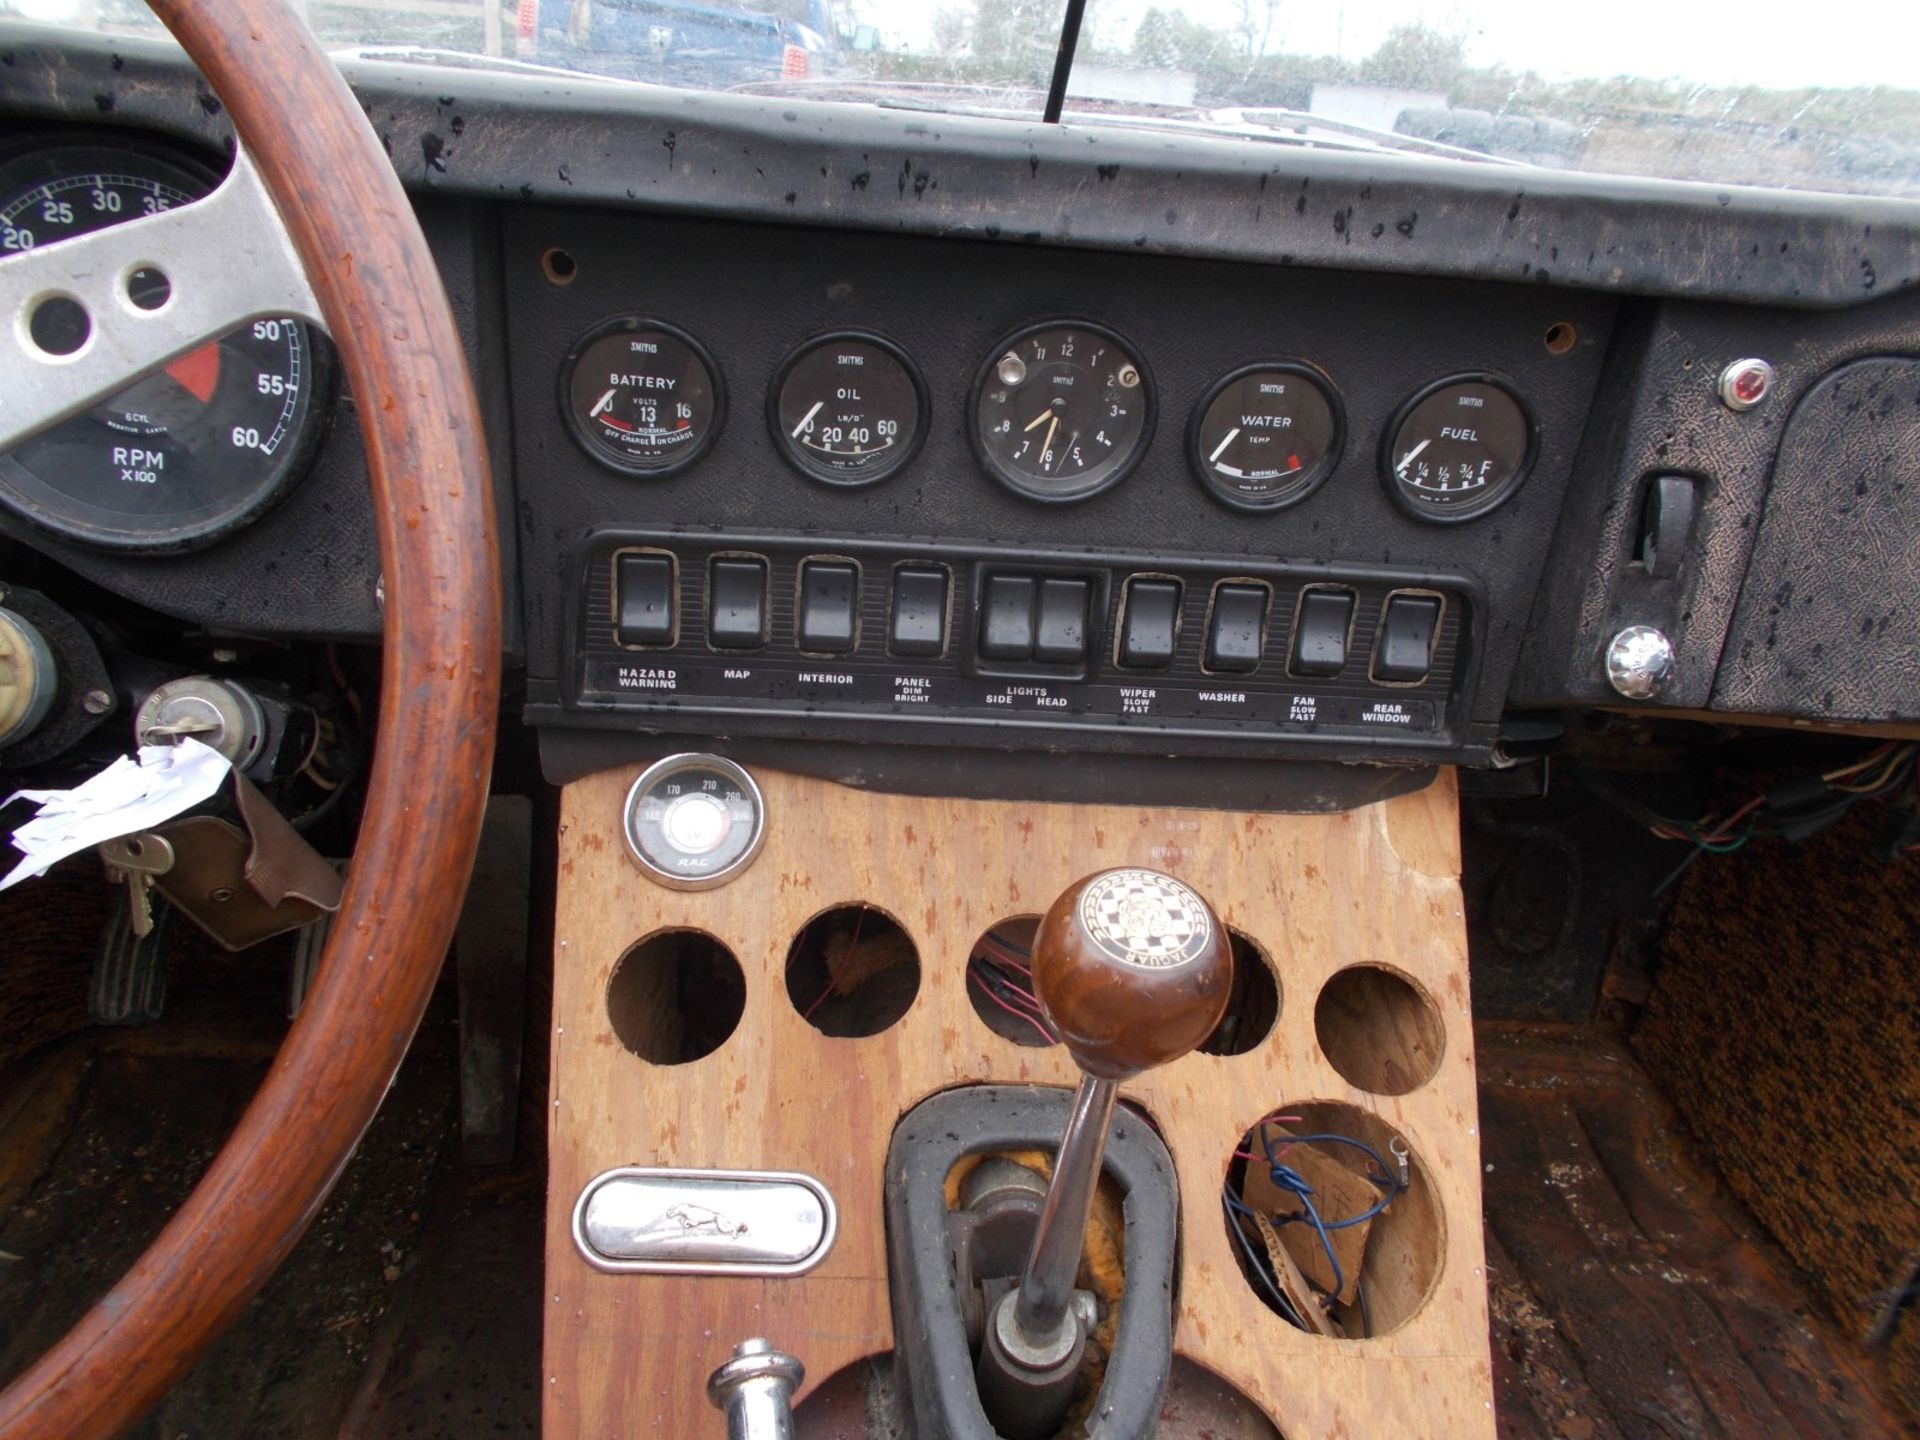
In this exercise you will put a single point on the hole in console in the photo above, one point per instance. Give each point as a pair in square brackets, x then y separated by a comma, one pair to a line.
[852, 971]
[1561, 337]
[1378, 1257]
[1000, 983]
[1252, 1006]
[676, 996]
[1377, 1028]
[558, 266]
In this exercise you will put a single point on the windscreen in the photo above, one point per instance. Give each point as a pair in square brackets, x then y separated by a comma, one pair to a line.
[1764, 93]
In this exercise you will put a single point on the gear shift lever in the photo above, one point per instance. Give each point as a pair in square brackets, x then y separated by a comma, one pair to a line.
[1133, 969]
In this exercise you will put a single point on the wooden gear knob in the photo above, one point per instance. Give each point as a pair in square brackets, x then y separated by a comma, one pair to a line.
[1134, 970]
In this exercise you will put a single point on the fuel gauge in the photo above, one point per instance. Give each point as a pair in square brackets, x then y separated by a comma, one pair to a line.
[1457, 449]
[1265, 437]
[641, 397]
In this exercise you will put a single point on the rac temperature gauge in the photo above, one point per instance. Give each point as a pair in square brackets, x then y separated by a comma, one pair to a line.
[1265, 437]
[641, 397]
[1457, 449]
[1061, 411]
[694, 821]
[848, 409]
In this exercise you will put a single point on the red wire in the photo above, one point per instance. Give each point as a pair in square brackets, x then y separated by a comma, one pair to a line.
[987, 990]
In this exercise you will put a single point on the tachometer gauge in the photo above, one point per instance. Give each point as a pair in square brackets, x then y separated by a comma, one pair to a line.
[641, 397]
[1061, 411]
[193, 451]
[1457, 449]
[1266, 436]
[848, 409]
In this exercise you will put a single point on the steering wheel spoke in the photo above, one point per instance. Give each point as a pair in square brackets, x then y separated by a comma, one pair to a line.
[87, 317]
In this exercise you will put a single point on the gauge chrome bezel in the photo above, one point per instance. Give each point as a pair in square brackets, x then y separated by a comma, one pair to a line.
[1302, 489]
[583, 438]
[1013, 479]
[801, 459]
[1500, 494]
[672, 765]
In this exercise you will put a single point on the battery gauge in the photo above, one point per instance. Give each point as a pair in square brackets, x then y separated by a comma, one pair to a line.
[694, 821]
[641, 397]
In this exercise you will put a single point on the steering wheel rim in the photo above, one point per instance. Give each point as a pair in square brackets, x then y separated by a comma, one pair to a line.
[388, 315]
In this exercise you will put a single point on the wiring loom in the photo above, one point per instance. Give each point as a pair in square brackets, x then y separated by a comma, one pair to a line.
[1291, 1182]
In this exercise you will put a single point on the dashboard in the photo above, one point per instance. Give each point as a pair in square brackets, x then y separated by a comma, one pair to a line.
[1045, 445]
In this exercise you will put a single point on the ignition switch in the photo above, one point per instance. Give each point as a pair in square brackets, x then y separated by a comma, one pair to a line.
[261, 729]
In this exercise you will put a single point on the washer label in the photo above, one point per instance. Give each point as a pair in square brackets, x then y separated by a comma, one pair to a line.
[1139, 917]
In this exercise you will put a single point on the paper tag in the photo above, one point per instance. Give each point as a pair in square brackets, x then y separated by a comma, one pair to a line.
[1338, 1193]
[125, 798]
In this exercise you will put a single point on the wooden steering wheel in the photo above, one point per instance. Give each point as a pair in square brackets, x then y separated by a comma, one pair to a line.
[368, 265]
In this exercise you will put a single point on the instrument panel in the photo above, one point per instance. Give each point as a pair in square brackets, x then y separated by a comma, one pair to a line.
[1083, 501]
[1059, 412]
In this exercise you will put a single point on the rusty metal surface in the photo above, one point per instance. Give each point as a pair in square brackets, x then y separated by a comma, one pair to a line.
[1631, 1295]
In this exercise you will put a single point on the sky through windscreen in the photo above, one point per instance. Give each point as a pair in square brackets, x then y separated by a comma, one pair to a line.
[1768, 43]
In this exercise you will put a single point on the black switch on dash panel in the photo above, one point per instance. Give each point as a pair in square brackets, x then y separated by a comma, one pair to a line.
[1151, 623]
[1404, 654]
[1060, 634]
[643, 600]
[829, 594]
[1238, 632]
[919, 611]
[1006, 618]
[737, 603]
[1320, 632]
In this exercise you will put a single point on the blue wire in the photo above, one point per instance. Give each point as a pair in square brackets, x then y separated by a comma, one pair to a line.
[1290, 1180]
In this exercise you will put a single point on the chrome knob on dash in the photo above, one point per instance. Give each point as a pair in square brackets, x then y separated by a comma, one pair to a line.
[1639, 662]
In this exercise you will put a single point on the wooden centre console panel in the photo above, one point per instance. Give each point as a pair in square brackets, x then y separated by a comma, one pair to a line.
[1378, 888]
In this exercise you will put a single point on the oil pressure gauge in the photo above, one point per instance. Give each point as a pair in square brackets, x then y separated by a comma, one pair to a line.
[641, 397]
[848, 409]
[1457, 449]
[694, 821]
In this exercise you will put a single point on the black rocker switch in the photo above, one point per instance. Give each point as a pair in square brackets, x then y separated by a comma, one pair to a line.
[919, 611]
[643, 600]
[1060, 632]
[1320, 632]
[1405, 652]
[1006, 618]
[737, 603]
[1238, 631]
[829, 590]
[1152, 620]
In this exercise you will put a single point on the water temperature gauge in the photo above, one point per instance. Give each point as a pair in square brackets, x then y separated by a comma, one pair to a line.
[694, 821]
[641, 397]
[1457, 449]
[1266, 436]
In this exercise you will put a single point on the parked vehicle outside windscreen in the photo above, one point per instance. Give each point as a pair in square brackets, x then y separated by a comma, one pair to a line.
[1770, 94]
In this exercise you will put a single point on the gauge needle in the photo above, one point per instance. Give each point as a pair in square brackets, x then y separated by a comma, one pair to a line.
[603, 404]
[1036, 421]
[1223, 444]
[1046, 445]
[198, 372]
[1407, 459]
[807, 419]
